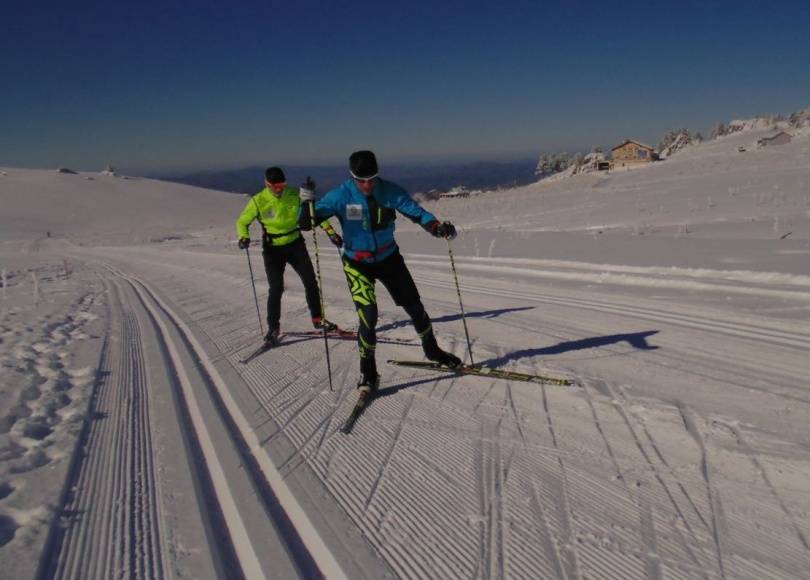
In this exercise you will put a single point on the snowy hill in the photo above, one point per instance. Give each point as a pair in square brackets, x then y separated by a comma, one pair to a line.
[676, 296]
[710, 189]
[91, 207]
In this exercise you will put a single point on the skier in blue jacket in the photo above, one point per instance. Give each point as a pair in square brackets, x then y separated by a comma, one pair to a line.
[366, 207]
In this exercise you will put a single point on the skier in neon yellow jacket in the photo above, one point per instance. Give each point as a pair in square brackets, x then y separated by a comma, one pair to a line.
[276, 207]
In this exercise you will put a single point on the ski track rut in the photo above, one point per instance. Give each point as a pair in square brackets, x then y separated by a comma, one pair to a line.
[523, 481]
[725, 366]
[113, 522]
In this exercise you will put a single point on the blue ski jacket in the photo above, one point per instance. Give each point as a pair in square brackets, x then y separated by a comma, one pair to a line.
[368, 222]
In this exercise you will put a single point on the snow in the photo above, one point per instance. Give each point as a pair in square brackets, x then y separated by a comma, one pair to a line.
[677, 296]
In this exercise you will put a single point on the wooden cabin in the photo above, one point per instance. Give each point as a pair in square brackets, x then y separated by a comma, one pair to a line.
[630, 153]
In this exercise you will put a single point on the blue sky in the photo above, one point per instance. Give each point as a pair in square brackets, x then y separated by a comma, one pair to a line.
[162, 86]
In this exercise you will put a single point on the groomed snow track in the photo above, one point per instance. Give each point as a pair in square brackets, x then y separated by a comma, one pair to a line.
[155, 383]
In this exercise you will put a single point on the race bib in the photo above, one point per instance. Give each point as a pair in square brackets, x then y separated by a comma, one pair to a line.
[354, 212]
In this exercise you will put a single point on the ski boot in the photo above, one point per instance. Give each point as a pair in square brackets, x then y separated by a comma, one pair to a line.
[369, 378]
[272, 338]
[437, 355]
[322, 324]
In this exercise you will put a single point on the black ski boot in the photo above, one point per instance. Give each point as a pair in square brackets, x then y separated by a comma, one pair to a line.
[366, 389]
[369, 378]
[322, 324]
[437, 355]
[272, 338]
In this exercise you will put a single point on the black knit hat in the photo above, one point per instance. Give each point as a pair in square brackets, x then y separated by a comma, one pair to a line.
[363, 165]
[274, 175]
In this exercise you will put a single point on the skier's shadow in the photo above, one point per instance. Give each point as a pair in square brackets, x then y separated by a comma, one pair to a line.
[637, 340]
[452, 317]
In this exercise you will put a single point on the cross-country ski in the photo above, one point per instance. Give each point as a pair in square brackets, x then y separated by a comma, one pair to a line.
[484, 372]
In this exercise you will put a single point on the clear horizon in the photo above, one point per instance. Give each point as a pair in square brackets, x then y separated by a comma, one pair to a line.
[163, 88]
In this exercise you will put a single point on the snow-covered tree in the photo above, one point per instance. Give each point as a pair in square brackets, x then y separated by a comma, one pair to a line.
[800, 118]
[674, 141]
[552, 163]
[719, 130]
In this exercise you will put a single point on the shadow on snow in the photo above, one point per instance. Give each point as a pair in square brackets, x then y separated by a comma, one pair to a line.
[452, 317]
[637, 340]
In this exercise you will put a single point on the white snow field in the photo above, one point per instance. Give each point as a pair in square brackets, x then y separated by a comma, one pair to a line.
[133, 443]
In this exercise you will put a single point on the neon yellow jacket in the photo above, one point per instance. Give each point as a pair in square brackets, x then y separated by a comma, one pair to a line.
[277, 215]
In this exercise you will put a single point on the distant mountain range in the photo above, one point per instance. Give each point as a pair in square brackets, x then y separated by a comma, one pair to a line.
[416, 178]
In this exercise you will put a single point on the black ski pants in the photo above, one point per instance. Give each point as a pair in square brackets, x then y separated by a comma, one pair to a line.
[276, 259]
[394, 275]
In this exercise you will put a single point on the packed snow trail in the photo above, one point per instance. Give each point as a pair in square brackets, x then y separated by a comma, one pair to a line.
[121, 517]
[112, 517]
[461, 476]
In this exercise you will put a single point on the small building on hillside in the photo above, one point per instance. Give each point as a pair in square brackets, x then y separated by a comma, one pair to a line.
[781, 138]
[459, 191]
[630, 153]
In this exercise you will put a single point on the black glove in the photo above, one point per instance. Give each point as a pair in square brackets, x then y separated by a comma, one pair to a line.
[307, 190]
[443, 230]
[244, 243]
[335, 238]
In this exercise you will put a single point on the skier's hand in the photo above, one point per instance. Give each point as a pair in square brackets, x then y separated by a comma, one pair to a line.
[335, 238]
[443, 230]
[244, 243]
[307, 190]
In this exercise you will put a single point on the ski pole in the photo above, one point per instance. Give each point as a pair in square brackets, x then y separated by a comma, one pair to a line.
[320, 291]
[458, 291]
[253, 285]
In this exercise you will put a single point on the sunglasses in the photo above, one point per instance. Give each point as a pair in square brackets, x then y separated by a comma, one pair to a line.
[365, 179]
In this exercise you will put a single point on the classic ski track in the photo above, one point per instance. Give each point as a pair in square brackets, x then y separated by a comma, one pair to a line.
[549, 545]
[515, 413]
[116, 483]
[763, 371]
[607, 274]
[491, 490]
[647, 530]
[241, 541]
[715, 325]
[671, 471]
[63, 559]
[686, 544]
[598, 424]
[753, 457]
[570, 555]
[715, 507]
[345, 498]
[727, 563]
[511, 401]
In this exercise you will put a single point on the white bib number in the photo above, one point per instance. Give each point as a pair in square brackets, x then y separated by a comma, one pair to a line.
[354, 212]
